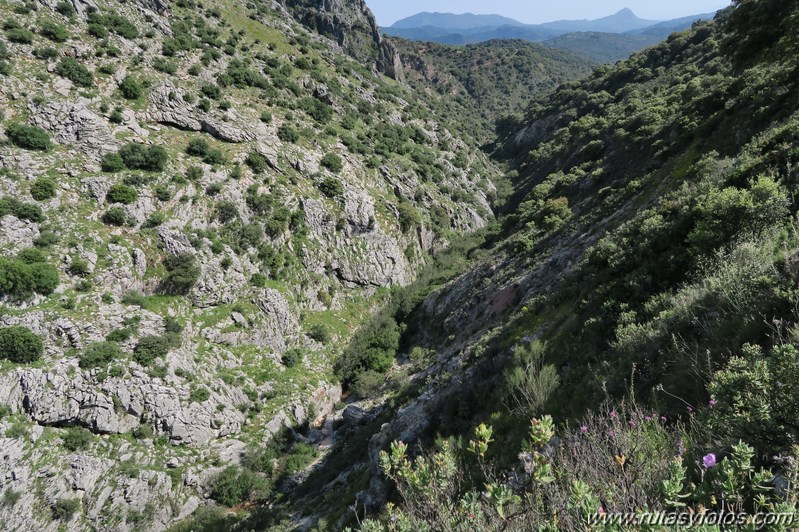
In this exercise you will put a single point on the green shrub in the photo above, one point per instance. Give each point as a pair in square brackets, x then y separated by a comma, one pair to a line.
[409, 217]
[99, 354]
[331, 187]
[77, 439]
[79, 266]
[140, 157]
[23, 211]
[372, 348]
[234, 486]
[143, 432]
[320, 333]
[332, 162]
[28, 137]
[72, 69]
[54, 32]
[199, 394]
[20, 345]
[257, 162]
[112, 162]
[292, 358]
[197, 148]
[115, 216]
[122, 194]
[21, 280]
[165, 66]
[64, 509]
[149, 348]
[226, 211]
[65, 8]
[47, 52]
[130, 88]
[183, 271]
[19, 35]
[119, 335]
[43, 189]
[288, 133]
[31, 256]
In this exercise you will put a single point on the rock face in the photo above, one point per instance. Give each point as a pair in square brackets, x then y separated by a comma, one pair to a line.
[169, 107]
[74, 124]
[353, 26]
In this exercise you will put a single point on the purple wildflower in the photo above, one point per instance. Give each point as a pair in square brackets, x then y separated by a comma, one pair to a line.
[709, 460]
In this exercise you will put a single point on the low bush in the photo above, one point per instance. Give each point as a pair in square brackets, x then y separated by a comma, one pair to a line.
[332, 162]
[43, 189]
[20, 279]
[28, 137]
[130, 88]
[122, 194]
[257, 162]
[234, 486]
[331, 187]
[64, 509]
[140, 157]
[72, 69]
[54, 32]
[115, 216]
[23, 211]
[292, 358]
[99, 354]
[77, 439]
[151, 347]
[183, 271]
[20, 345]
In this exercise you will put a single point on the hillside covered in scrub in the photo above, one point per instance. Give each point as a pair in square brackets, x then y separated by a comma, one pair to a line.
[263, 269]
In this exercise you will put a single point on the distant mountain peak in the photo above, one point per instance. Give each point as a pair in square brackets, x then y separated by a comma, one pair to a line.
[627, 12]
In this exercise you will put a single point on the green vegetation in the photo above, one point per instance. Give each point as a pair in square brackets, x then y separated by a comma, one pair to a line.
[122, 194]
[43, 189]
[136, 157]
[28, 137]
[130, 88]
[20, 345]
[182, 273]
[332, 162]
[73, 70]
[99, 354]
[21, 278]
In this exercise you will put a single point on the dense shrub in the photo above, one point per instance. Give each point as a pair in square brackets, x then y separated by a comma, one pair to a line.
[372, 348]
[234, 486]
[64, 509]
[288, 133]
[292, 358]
[331, 187]
[20, 345]
[332, 162]
[77, 439]
[183, 271]
[20, 279]
[72, 69]
[112, 162]
[257, 162]
[23, 211]
[130, 88]
[151, 347]
[43, 189]
[65, 8]
[122, 194]
[28, 137]
[19, 35]
[54, 32]
[115, 216]
[140, 157]
[99, 354]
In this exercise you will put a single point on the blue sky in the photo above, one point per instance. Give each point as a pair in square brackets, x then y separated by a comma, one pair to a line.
[536, 11]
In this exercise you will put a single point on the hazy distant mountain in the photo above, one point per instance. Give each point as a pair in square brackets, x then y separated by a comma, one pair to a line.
[450, 21]
[604, 40]
[621, 22]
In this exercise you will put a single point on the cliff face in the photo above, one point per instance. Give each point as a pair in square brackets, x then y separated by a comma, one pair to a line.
[353, 26]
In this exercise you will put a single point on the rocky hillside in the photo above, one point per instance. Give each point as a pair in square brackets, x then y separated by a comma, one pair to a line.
[646, 269]
[482, 83]
[200, 203]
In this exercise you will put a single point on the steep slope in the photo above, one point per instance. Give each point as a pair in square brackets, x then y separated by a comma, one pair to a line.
[650, 252]
[200, 204]
[491, 80]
